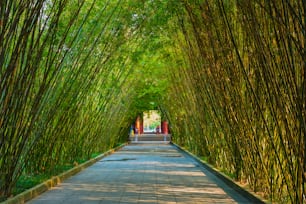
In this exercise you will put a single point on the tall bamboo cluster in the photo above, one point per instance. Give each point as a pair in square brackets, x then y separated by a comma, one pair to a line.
[74, 73]
[64, 83]
[238, 91]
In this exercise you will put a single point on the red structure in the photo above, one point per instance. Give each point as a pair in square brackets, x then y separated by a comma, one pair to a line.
[164, 127]
[139, 125]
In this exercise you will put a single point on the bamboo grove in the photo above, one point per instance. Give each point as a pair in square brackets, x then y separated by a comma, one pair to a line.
[238, 91]
[65, 82]
[228, 75]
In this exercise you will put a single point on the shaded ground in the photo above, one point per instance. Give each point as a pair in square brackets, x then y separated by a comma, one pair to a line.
[143, 173]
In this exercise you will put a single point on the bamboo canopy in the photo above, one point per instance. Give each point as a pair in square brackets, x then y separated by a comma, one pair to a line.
[228, 75]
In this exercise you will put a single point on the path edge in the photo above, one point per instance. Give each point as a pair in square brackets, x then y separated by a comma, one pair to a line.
[55, 180]
[250, 195]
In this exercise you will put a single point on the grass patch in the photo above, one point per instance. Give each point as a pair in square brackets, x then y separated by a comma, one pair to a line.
[229, 174]
[27, 181]
[204, 158]
[94, 155]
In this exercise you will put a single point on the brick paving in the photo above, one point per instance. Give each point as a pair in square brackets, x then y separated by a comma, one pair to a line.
[143, 173]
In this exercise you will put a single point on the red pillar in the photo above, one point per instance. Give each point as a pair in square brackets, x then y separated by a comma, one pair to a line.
[165, 127]
[139, 125]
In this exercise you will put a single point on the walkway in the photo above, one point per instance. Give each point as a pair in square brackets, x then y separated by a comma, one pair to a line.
[151, 138]
[143, 173]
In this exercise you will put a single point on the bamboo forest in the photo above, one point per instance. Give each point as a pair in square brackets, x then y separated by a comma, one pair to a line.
[228, 75]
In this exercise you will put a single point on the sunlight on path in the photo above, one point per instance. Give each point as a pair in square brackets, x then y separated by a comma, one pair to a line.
[143, 173]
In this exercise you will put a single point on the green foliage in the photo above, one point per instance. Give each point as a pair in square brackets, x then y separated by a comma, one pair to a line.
[231, 94]
[26, 182]
[229, 76]
[74, 74]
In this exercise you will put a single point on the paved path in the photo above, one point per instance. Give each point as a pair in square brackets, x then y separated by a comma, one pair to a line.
[143, 173]
[151, 138]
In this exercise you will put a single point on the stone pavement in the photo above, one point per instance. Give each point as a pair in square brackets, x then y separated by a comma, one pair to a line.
[143, 173]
